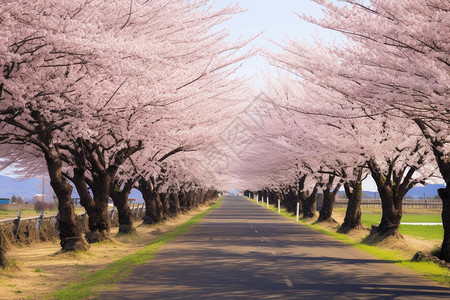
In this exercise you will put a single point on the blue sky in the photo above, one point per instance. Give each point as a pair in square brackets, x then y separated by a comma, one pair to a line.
[275, 20]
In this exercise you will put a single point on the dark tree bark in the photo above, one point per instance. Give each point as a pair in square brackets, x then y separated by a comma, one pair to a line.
[120, 199]
[445, 196]
[443, 162]
[353, 190]
[165, 207]
[103, 174]
[3, 260]
[292, 200]
[309, 204]
[152, 215]
[86, 200]
[70, 236]
[175, 206]
[81, 183]
[40, 134]
[191, 199]
[183, 200]
[308, 199]
[273, 196]
[329, 197]
[392, 187]
[100, 188]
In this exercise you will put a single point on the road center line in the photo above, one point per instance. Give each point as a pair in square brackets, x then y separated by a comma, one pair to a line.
[288, 282]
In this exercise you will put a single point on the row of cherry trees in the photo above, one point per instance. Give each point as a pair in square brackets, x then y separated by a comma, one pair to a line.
[375, 103]
[114, 95]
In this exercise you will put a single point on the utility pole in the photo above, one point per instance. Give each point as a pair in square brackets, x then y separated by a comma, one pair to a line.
[43, 187]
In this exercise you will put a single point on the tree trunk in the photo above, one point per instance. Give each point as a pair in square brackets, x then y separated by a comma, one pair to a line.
[70, 236]
[3, 260]
[353, 190]
[165, 205]
[443, 162]
[151, 210]
[309, 204]
[392, 187]
[445, 196]
[191, 199]
[308, 200]
[293, 200]
[391, 215]
[329, 197]
[175, 206]
[101, 187]
[120, 199]
[85, 197]
[182, 198]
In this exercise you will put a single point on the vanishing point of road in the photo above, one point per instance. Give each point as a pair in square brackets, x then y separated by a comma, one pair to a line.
[243, 251]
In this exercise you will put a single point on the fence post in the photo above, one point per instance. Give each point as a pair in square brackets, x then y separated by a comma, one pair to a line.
[56, 224]
[267, 201]
[262, 201]
[17, 223]
[257, 199]
[83, 218]
[278, 206]
[298, 210]
[39, 221]
[136, 211]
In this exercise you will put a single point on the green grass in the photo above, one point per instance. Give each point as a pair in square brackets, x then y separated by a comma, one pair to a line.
[428, 270]
[105, 279]
[29, 213]
[374, 219]
[422, 231]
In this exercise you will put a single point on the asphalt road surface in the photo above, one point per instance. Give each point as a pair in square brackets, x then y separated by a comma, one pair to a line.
[244, 251]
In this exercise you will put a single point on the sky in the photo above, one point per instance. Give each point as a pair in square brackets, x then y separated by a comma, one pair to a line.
[274, 21]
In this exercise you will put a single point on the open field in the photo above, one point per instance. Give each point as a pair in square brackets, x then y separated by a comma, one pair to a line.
[31, 212]
[372, 216]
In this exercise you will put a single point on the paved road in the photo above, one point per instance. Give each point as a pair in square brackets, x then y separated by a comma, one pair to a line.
[243, 251]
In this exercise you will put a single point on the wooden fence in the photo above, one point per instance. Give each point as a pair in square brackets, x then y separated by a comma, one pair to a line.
[407, 203]
[44, 227]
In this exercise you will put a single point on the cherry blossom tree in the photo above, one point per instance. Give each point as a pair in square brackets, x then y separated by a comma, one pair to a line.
[398, 57]
[94, 79]
[373, 141]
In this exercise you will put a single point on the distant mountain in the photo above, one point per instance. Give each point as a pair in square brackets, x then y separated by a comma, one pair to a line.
[430, 191]
[19, 187]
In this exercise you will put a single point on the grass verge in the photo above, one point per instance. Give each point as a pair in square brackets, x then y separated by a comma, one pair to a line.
[428, 270]
[105, 279]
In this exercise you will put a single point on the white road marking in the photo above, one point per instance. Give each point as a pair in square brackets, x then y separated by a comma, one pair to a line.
[421, 223]
[288, 282]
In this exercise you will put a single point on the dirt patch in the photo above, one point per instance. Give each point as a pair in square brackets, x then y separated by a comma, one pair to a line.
[409, 245]
[38, 270]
